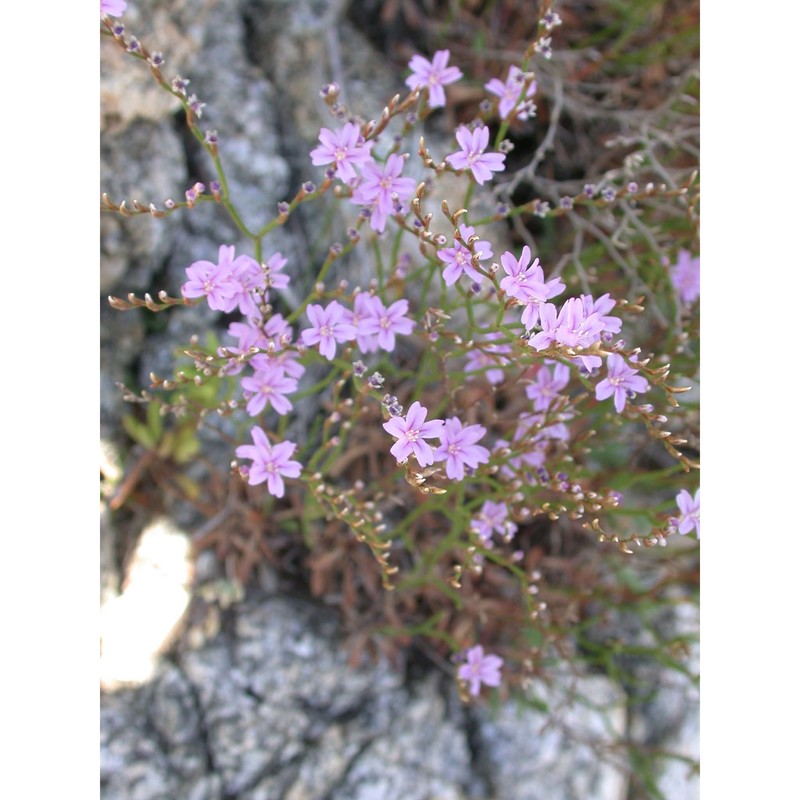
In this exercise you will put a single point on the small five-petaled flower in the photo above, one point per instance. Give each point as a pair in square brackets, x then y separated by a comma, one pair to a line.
[459, 447]
[344, 149]
[690, 512]
[271, 463]
[329, 325]
[621, 380]
[480, 668]
[472, 155]
[433, 75]
[411, 432]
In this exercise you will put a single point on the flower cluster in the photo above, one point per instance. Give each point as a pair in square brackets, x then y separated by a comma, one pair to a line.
[527, 284]
[376, 185]
[370, 324]
[263, 344]
[234, 283]
[505, 375]
[458, 443]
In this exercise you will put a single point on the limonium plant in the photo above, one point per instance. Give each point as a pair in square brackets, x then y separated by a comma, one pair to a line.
[482, 385]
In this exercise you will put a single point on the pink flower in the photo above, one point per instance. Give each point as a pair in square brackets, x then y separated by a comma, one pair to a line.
[287, 360]
[621, 380]
[510, 92]
[533, 456]
[112, 8]
[252, 285]
[547, 386]
[488, 355]
[433, 75]
[493, 518]
[271, 463]
[480, 668]
[531, 428]
[250, 335]
[526, 284]
[548, 320]
[343, 149]
[383, 190]
[471, 155]
[410, 431]
[271, 336]
[573, 326]
[217, 282]
[328, 326]
[685, 274]
[601, 306]
[458, 259]
[365, 307]
[690, 512]
[274, 279]
[247, 334]
[458, 447]
[268, 385]
[386, 322]
[576, 327]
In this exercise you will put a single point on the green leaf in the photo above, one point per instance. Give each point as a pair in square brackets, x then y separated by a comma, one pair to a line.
[187, 445]
[139, 432]
[155, 421]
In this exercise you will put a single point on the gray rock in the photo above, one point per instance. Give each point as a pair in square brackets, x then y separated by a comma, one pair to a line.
[423, 754]
[562, 754]
[122, 335]
[659, 668]
[671, 717]
[270, 709]
[127, 91]
[143, 162]
[265, 709]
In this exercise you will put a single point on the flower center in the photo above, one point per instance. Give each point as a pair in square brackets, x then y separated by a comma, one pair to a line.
[324, 331]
